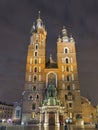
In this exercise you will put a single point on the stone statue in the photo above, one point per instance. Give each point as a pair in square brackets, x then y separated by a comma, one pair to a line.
[51, 91]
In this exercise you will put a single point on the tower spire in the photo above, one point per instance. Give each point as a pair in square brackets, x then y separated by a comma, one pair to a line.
[39, 14]
[39, 21]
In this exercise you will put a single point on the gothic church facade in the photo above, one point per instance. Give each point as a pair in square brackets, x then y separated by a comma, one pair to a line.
[51, 92]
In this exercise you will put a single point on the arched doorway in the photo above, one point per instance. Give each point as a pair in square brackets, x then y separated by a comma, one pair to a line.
[51, 118]
[61, 119]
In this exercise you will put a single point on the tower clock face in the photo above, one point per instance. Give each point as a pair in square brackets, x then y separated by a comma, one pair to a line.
[52, 79]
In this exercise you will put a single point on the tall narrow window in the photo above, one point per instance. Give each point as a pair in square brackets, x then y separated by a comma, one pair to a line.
[68, 78]
[67, 60]
[36, 47]
[37, 96]
[18, 113]
[70, 105]
[34, 88]
[35, 69]
[35, 78]
[66, 50]
[33, 106]
[65, 97]
[30, 97]
[36, 53]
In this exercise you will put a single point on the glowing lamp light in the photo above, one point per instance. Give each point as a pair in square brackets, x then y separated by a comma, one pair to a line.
[3, 120]
[9, 120]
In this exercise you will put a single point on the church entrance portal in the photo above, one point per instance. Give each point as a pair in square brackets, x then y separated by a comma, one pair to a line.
[61, 119]
[51, 118]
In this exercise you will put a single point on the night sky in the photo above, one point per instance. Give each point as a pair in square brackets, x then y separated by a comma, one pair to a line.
[80, 17]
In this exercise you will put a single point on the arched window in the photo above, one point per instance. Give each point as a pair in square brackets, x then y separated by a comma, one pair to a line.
[35, 53]
[68, 78]
[34, 88]
[33, 106]
[67, 60]
[37, 96]
[36, 47]
[35, 69]
[30, 97]
[35, 78]
[66, 50]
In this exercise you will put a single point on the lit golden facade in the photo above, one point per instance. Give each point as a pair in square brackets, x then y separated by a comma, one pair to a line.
[51, 91]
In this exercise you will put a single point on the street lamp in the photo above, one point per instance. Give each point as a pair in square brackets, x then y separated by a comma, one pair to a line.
[68, 121]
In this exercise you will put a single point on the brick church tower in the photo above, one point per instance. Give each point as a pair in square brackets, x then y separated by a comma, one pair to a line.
[51, 92]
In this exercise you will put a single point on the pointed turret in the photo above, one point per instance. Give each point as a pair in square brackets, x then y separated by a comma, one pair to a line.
[71, 38]
[59, 39]
[64, 35]
[51, 60]
[39, 21]
[33, 28]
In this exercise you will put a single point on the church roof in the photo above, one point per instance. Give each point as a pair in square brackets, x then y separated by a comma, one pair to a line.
[51, 63]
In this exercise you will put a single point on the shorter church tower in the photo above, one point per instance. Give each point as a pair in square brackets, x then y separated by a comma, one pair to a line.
[68, 83]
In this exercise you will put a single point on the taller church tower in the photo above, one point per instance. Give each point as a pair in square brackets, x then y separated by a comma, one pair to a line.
[35, 79]
[51, 92]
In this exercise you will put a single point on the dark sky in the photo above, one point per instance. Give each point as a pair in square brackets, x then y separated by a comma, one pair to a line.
[16, 18]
